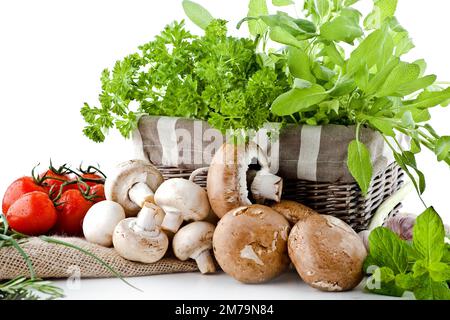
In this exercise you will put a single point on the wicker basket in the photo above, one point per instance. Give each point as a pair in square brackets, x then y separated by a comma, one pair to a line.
[342, 200]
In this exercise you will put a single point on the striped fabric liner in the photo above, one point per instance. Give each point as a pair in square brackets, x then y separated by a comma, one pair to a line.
[314, 153]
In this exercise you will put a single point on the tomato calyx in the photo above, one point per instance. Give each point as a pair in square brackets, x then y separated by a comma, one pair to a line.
[91, 170]
[83, 187]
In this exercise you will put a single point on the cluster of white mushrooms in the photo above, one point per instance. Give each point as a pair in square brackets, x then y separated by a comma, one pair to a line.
[253, 241]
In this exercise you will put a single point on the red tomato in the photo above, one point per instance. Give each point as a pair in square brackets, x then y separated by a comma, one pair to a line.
[32, 214]
[99, 191]
[92, 176]
[17, 189]
[54, 184]
[71, 212]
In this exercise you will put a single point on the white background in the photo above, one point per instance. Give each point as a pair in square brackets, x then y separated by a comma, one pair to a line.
[52, 53]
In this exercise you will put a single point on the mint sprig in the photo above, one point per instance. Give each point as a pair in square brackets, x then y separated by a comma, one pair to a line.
[421, 267]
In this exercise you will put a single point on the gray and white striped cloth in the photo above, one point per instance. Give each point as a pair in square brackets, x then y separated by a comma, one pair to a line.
[314, 153]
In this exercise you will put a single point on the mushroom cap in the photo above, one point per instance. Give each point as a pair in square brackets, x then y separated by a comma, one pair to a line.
[100, 221]
[125, 176]
[293, 211]
[192, 239]
[227, 176]
[181, 196]
[250, 243]
[327, 253]
[135, 244]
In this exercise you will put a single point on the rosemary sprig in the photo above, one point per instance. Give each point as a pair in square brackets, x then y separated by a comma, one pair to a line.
[22, 288]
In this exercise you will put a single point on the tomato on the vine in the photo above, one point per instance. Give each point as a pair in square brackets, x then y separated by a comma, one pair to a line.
[17, 189]
[98, 193]
[32, 214]
[73, 206]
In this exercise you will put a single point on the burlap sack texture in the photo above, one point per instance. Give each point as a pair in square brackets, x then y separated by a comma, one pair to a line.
[57, 261]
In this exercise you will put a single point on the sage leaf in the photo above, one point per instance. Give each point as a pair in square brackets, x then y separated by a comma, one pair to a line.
[428, 99]
[403, 73]
[197, 14]
[359, 164]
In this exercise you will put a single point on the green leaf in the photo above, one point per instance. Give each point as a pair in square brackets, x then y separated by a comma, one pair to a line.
[298, 100]
[400, 75]
[299, 64]
[428, 99]
[343, 86]
[382, 10]
[257, 8]
[406, 281]
[342, 28]
[359, 164]
[408, 120]
[376, 49]
[305, 25]
[428, 236]
[280, 35]
[439, 271]
[282, 3]
[197, 14]
[334, 55]
[431, 290]
[388, 250]
[442, 148]
[382, 281]
[383, 125]
[322, 7]
[415, 85]
[380, 77]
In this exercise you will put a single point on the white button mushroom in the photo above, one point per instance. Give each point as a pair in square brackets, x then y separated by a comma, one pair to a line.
[100, 221]
[132, 184]
[195, 241]
[229, 175]
[141, 239]
[181, 199]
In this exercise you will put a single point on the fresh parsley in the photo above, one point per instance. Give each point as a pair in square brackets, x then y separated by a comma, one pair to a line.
[421, 267]
[214, 77]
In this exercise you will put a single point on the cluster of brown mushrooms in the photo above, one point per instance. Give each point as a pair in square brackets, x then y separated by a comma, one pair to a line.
[255, 240]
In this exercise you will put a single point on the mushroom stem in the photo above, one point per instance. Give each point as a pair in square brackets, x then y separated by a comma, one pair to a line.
[140, 193]
[149, 218]
[266, 186]
[205, 262]
[172, 222]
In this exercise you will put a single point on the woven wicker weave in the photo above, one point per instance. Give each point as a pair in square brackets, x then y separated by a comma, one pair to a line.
[342, 200]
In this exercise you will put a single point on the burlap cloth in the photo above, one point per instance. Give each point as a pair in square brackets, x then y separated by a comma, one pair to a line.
[57, 261]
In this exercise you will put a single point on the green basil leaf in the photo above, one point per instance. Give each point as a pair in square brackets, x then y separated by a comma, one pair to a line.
[382, 281]
[257, 8]
[197, 14]
[282, 3]
[442, 148]
[439, 271]
[299, 64]
[359, 164]
[432, 290]
[406, 281]
[388, 250]
[428, 236]
[297, 100]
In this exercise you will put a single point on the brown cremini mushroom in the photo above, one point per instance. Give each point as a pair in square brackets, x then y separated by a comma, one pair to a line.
[293, 211]
[131, 184]
[228, 175]
[181, 200]
[141, 239]
[195, 241]
[250, 243]
[327, 253]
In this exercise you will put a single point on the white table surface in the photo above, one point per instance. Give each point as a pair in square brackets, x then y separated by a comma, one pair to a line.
[195, 286]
